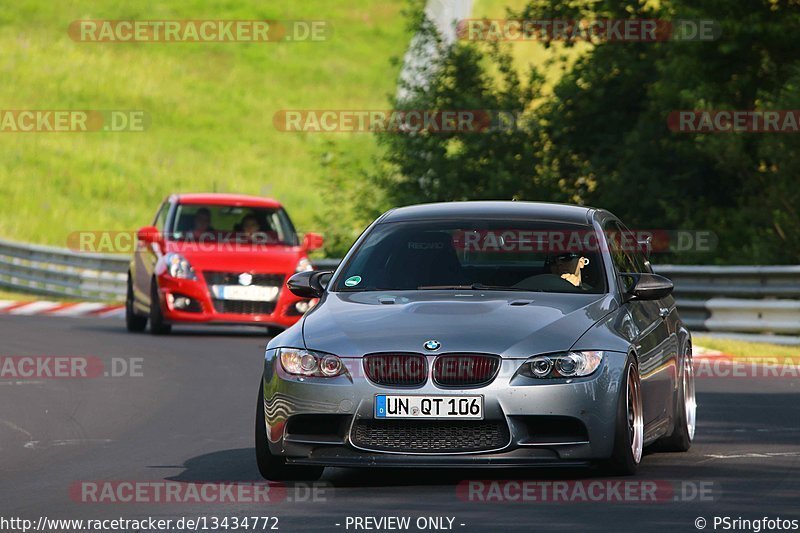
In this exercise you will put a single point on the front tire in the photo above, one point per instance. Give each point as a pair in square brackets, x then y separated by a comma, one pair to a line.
[685, 418]
[133, 322]
[157, 325]
[274, 467]
[629, 433]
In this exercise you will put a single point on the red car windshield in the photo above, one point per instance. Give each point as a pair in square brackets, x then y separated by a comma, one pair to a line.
[225, 223]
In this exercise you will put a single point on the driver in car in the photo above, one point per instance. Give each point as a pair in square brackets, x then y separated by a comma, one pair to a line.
[568, 266]
[202, 224]
[250, 227]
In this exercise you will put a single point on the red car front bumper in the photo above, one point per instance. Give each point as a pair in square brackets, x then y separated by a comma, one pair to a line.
[204, 308]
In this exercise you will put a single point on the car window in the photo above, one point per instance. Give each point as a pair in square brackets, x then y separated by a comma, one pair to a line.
[510, 255]
[160, 221]
[623, 247]
[634, 249]
[219, 223]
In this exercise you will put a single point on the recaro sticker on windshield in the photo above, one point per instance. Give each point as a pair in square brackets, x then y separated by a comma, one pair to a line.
[352, 281]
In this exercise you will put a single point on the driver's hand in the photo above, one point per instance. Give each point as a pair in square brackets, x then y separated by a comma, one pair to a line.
[572, 278]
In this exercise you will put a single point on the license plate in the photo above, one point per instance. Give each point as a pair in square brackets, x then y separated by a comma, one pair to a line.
[250, 293]
[406, 406]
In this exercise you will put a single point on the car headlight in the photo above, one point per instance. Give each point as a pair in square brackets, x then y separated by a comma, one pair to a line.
[301, 362]
[562, 365]
[179, 267]
[304, 265]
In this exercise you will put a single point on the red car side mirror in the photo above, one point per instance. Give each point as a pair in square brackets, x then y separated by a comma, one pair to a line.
[149, 235]
[313, 241]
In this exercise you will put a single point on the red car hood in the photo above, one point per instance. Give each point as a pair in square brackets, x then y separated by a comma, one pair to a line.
[238, 258]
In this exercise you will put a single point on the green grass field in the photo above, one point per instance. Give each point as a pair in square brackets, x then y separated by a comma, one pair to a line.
[210, 107]
[750, 351]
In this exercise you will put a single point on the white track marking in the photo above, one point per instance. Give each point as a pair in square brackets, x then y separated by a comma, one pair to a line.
[753, 455]
[34, 308]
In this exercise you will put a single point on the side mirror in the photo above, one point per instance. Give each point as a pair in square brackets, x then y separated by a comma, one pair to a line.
[148, 235]
[309, 284]
[645, 286]
[313, 241]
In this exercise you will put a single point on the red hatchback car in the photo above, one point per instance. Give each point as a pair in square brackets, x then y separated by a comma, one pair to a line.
[217, 258]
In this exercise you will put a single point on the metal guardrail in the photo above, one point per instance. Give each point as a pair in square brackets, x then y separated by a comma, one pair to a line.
[52, 271]
[759, 303]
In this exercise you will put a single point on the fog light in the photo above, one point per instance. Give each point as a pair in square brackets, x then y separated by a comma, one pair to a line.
[302, 307]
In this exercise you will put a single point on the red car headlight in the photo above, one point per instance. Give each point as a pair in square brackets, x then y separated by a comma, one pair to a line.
[179, 267]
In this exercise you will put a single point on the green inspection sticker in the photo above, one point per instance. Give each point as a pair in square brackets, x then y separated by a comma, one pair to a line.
[352, 281]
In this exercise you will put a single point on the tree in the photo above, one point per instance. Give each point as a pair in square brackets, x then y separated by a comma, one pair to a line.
[610, 145]
[498, 162]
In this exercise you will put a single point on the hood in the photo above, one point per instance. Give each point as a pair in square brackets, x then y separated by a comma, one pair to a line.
[509, 324]
[239, 257]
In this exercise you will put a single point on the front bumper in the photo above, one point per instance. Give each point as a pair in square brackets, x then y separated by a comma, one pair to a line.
[548, 422]
[284, 313]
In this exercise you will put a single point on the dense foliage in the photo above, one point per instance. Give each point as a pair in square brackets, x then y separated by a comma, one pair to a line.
[601, 137]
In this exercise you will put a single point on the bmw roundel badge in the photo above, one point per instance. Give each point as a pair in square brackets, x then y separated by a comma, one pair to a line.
[432, 345]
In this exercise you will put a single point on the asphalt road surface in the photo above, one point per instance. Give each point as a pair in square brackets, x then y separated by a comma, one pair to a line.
[182, 410]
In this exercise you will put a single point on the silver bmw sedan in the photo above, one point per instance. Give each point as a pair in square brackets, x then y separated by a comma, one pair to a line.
[498, 334]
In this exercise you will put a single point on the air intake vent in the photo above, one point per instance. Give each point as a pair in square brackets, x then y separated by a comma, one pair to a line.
[465, 370]
[429, 436]
[396, 369]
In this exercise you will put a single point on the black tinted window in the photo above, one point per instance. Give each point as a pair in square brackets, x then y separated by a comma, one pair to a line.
[521, 255]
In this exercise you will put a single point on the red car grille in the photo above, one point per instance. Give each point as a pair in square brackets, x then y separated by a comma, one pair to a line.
[456, 370]
[243, 307]
[232, 278]
[240, 307]
[398, 369]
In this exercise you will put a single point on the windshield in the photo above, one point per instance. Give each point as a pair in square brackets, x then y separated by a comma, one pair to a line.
[483, 255]
[222, 223]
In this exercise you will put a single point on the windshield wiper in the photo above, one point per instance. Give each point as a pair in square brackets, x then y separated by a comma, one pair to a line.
[445, 288]
[474, 287]
[482, 287]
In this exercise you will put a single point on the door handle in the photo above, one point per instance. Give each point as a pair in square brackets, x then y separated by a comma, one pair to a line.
[663, 312]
